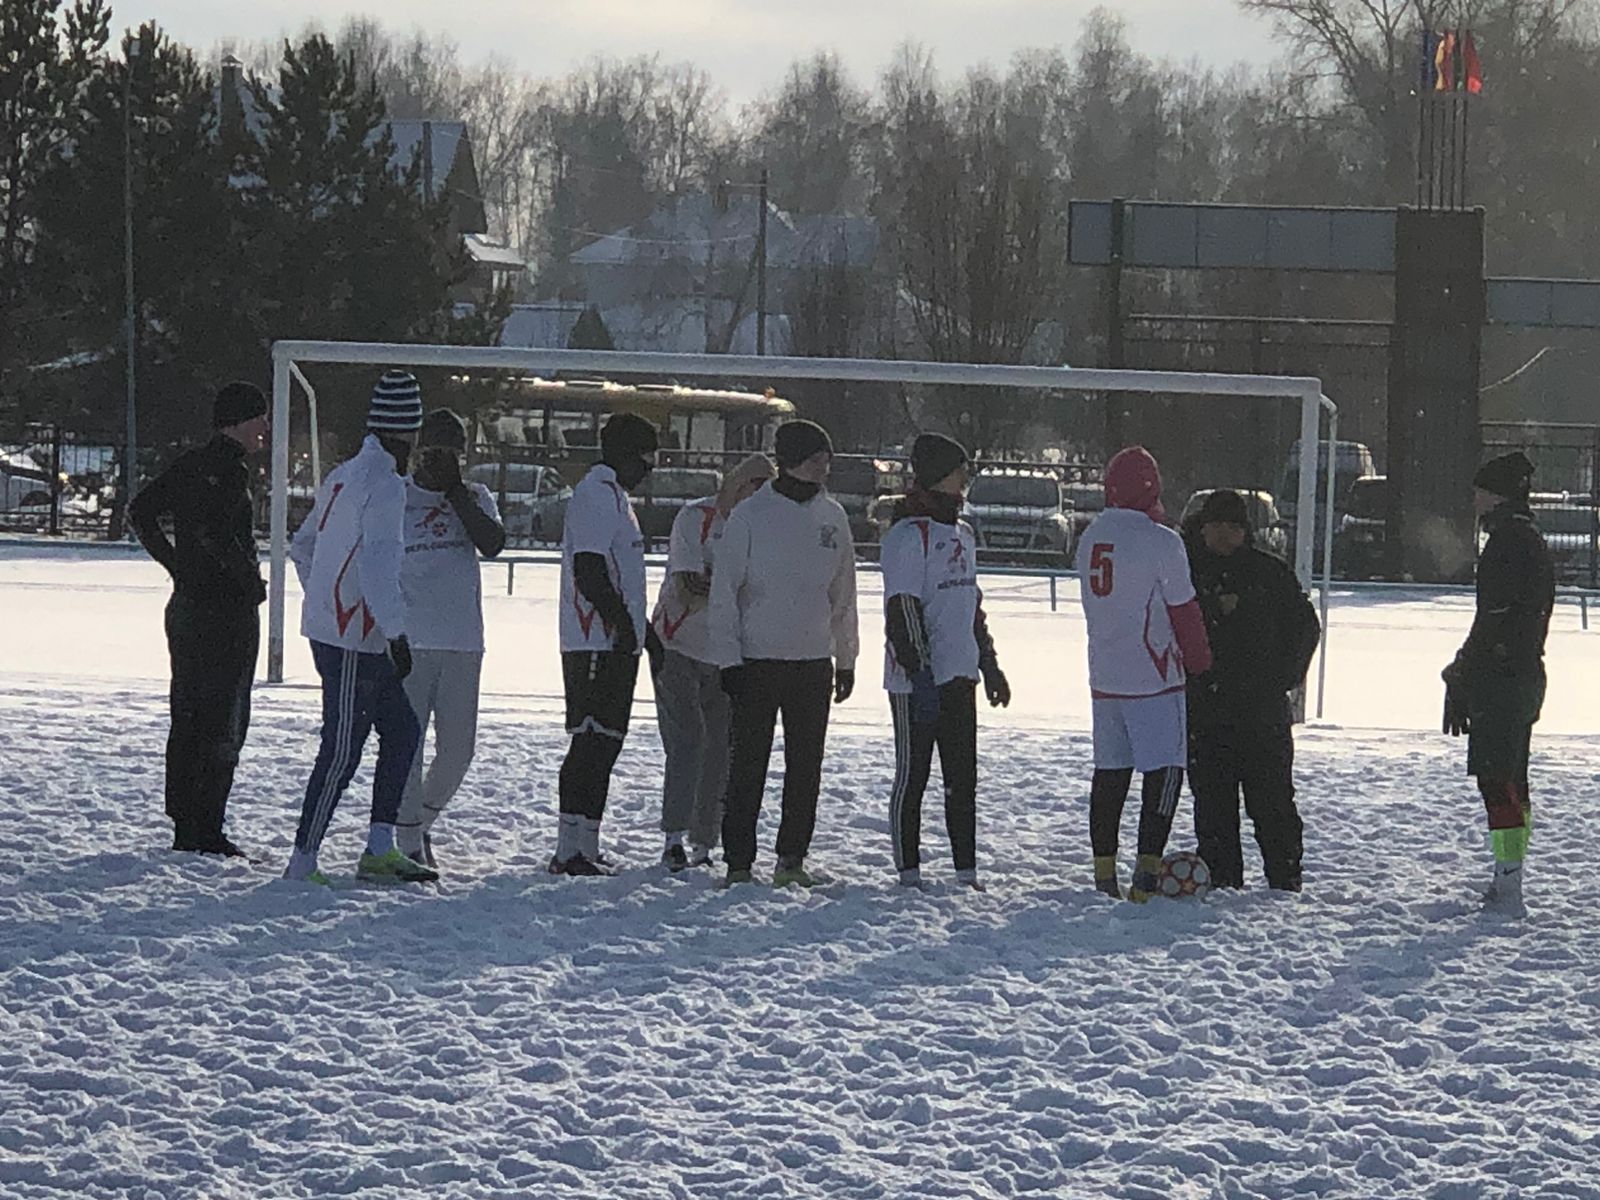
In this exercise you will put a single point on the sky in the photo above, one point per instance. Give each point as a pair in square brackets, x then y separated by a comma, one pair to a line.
[745, 44]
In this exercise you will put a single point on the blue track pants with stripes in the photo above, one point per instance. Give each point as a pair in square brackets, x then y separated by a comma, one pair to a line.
[360, 693]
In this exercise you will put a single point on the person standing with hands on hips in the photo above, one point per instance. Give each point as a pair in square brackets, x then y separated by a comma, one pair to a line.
[449, 523]
[784, 630]
[213, 632]
[603, 626]
[349, 554]
[692, 710]
[938, 649]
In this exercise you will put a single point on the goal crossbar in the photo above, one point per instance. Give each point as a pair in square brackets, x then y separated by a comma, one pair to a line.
[1306, 392]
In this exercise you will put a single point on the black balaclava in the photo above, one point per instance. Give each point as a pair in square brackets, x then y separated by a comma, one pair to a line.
[624, 442]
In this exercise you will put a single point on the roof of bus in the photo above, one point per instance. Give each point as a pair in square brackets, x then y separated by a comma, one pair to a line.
[586, 394]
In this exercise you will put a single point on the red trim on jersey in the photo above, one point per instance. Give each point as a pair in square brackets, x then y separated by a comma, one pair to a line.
[342, 615]
[327, 512]
[710, 511]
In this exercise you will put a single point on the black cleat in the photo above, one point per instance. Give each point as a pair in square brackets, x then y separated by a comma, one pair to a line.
[579, 865]
[675, 859]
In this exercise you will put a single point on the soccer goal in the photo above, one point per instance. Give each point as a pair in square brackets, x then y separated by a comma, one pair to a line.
[289, 357]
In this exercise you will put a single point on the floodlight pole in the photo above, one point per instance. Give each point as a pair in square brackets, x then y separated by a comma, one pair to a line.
[130, 476]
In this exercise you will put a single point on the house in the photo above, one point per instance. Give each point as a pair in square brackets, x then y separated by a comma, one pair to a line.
[685, 279]
[449, 169]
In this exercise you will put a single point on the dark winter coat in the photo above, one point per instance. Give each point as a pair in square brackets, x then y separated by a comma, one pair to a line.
[1263, 633]
[1501, 664]
[212, 554]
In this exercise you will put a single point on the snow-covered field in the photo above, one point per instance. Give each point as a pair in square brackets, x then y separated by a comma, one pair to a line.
[179, 1027]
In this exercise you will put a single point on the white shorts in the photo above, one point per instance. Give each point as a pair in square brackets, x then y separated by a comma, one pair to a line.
[1147, 733]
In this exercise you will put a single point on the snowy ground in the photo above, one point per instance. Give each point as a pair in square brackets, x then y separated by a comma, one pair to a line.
[179, 1027]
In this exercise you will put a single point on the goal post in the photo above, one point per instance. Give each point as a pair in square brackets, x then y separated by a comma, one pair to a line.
[288, 357]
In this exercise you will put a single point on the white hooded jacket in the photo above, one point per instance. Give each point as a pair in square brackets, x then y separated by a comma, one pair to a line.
[349, 553]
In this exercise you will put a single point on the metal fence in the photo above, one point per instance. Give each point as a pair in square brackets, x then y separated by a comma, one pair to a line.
[58, 481]
[1023, 513]
[1566, 499]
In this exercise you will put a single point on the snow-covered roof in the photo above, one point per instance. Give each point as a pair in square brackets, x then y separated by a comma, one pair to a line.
[492, 253]
[546, 326]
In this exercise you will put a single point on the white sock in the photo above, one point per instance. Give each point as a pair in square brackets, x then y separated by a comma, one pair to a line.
[911, 877]
[380, 838]
[302, 865]
[967, 875]
[590, 842]
[569, 837]
[408, 838]
[675, 839]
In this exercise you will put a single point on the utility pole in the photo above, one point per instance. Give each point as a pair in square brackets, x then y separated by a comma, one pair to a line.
[761, 271]
[131, 443]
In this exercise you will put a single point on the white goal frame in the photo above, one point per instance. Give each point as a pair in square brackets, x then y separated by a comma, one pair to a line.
[1305, 392]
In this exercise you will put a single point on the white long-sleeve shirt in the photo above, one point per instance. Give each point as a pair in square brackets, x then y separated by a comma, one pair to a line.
[349, 554]
[784, 586]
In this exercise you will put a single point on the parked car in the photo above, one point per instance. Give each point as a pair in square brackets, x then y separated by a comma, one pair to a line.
[532, 497]
[1264, 518]
[1351, 461]
[1021, 515]
[1360, 540]
[858, 484]
[664, 493]
[1088, 502]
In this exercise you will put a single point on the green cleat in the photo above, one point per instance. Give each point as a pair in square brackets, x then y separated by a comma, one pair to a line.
[394, 867]
[793, 876]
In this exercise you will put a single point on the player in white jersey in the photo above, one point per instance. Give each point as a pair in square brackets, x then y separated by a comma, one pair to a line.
[449, 523]
[1146, 636]
[692, 710]
[938, 647]
[603, 627]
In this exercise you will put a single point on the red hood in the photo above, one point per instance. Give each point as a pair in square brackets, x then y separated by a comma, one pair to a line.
[1134, 481]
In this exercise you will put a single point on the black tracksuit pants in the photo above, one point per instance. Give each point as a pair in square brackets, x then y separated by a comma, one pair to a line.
[955, 734]
[213, 652]
[800, 692]
[1257, 759]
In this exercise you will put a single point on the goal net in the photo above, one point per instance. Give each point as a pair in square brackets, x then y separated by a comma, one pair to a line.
[289, 357]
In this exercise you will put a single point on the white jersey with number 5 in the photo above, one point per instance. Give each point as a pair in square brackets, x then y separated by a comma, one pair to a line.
[1132, 570]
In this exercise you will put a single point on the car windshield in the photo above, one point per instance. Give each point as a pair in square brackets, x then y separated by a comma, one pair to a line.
[1087, 497]
[679, 484]
[1366, 499]
[852, 477]
[1015, 491]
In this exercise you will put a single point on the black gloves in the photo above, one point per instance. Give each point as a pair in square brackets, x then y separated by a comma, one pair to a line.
[438, 469]
[995, 686]
[400, 655]
[733, 682]
[654, 649]
[844, 682]
[1457, 719]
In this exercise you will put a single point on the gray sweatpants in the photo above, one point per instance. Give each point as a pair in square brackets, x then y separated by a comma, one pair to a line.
[693, 714]
[443, 688]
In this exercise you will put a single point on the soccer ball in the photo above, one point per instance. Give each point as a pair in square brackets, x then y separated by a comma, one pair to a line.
[1183, 873]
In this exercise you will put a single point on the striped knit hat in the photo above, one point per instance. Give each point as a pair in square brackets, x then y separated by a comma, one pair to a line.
[396, 404]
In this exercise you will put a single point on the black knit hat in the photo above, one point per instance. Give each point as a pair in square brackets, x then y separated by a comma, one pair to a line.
[628, 435]
[236, 403]
[1225, 507]
[1510, 475]
[934, 456]
[797, 441]
[442, 427]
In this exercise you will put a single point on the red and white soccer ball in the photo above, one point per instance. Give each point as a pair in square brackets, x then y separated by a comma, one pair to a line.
[1183, 873]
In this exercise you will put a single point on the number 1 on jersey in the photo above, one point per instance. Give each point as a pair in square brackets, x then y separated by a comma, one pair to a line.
[1102, 575]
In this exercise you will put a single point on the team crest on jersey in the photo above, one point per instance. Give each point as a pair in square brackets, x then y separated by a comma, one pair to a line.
[434, 521]
[829, 539]
[958, 556]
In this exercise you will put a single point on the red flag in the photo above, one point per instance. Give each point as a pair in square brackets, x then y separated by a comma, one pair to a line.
[1444, 62]
[1474, 67]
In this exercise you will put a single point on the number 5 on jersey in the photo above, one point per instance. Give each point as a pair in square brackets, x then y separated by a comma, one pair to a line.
[1102, 574]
